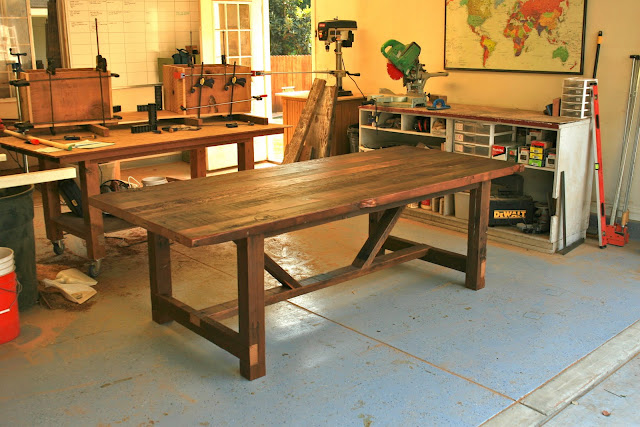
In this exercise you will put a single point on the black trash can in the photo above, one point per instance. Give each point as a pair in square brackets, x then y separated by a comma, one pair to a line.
[16, 232]
[353, 133]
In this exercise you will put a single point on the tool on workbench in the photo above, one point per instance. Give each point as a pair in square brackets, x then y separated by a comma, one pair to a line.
[36, 141]
[233, 81]
[18, 83]
[203, 82]
[101, 67]
[438, 104]
[68, 78]
[157, 92]
[152, 125]
[192, 63]
[176, 128]
[153, 117]
[256, 97]
[179, 75]
[51, 71]
[404, 63]
[223, 57]
[181, 58]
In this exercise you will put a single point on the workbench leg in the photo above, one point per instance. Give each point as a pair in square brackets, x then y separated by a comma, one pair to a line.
[90, 186]
[198, 162]
[159, 274]
[251, 306]
[50, 202]
[245, 155]
[477, 237]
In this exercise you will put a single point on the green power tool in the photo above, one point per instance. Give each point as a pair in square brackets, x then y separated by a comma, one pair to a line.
[402, 58]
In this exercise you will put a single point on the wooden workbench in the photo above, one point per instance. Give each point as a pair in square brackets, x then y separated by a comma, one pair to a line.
[126, 145]
[249, 206]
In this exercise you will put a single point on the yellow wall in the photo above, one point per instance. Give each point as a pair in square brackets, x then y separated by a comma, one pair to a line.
[422, 21]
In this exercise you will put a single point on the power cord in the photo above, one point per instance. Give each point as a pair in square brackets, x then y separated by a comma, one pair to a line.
[132, 184]
[356, 83]
[15, 159]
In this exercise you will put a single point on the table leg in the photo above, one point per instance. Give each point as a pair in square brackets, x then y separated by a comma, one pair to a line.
[374, 218]
[477, 237]
[90, 186]
[198, 162]
[246, 158]
[50, 203]
[159, 274]
[251, 306]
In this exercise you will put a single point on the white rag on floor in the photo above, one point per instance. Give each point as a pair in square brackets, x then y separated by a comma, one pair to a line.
[74, 285]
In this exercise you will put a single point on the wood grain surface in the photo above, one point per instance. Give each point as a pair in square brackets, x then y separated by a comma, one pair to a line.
[485, 113]
[127, 145]
[74, 95]
[275, 200]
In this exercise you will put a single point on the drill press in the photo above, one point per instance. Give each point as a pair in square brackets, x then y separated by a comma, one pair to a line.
[339, 31]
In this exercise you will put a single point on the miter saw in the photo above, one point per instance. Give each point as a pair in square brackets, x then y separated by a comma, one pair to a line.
[404, 64]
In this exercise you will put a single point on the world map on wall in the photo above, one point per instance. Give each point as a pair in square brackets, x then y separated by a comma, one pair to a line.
[515, 35]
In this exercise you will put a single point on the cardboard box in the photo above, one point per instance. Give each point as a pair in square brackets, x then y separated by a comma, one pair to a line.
[505, 151]
[541, 144]
[537, 163]
[461, 204]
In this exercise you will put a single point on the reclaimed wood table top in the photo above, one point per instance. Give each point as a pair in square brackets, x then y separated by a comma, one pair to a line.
[127, 144]
[274, 200]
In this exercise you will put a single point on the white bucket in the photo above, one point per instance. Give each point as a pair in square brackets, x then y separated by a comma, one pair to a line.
[6, 261]
[150, 181]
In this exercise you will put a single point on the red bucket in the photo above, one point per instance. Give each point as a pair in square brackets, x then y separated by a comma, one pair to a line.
[9, 319]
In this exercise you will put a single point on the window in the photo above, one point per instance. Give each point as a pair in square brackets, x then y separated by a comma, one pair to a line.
[232, 32]
[14, 35]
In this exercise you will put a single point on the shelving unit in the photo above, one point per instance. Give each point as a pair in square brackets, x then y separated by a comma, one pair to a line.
[483, 131]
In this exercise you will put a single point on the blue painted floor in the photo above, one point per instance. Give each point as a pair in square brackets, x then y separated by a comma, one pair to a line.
[406, 346]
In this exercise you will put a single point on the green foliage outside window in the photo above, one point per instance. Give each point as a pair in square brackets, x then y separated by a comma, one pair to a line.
[290, 22]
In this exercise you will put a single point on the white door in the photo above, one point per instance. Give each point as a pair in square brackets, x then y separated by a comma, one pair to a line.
[240, 31]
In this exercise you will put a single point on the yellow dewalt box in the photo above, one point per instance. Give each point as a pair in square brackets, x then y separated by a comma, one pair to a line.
[511, 210]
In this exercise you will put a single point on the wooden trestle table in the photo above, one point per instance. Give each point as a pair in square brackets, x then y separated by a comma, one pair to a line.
[249, 206]
[126, 145]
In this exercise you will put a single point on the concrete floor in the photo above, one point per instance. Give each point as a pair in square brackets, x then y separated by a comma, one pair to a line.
[406, 346]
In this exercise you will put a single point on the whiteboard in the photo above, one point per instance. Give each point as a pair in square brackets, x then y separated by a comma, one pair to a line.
[133, 34]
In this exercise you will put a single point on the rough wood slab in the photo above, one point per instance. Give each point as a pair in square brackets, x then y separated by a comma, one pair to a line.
[294, 148]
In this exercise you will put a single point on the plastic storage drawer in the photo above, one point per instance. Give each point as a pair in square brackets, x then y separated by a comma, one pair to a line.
[477, 127]
[475, 138]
